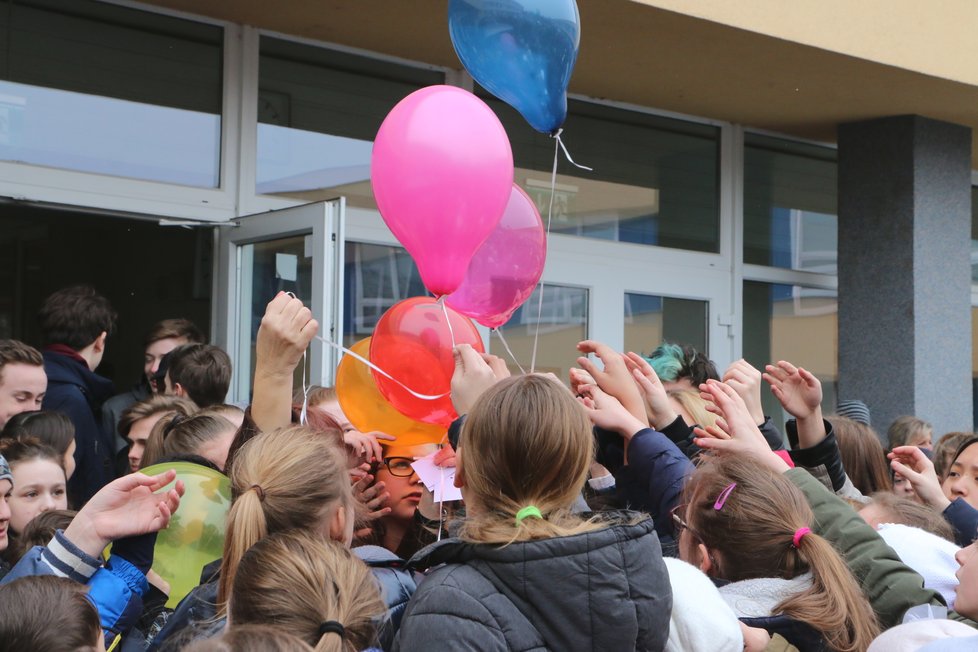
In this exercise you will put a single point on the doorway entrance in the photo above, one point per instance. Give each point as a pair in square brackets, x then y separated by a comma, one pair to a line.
[147, 271]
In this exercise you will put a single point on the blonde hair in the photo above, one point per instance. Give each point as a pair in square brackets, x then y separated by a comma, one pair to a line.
[176, 433]
[298, 581]
[286, 479]
[526, 442]
[695, 407]
[753, 535]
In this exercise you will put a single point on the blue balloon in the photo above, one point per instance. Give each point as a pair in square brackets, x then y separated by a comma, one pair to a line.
[521, 51]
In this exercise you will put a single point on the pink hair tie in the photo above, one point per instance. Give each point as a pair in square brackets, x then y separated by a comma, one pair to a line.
[799, 534]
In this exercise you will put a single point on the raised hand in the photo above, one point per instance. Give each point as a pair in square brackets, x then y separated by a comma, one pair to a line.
[580, 377]
[746, 381]
[735, 431]
[911, 463]
[285, 332]
[474, 373]
[367, 444]
[657, 404]
[614, 378]
[606, 411]
[799, 392]
[125, 507]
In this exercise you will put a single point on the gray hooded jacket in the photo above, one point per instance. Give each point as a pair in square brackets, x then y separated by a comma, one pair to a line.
[603, 590]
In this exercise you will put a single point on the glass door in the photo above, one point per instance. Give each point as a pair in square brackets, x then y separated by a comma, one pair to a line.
[292, 250]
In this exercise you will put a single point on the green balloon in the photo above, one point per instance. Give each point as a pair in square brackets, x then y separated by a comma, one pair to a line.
[195, 536]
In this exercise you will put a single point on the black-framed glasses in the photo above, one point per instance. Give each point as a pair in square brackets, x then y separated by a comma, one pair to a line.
[399, 466]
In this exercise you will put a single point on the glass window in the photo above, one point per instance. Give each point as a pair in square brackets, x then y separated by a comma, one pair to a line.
[562, 320]
[651, 319]
[790, 205]
[655, 180]
[318, 113]
[101, 88]
[374, 279]
[797, 324]
[265, 269]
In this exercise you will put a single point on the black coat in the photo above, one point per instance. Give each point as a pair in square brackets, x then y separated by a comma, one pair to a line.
[603, 590]
[76, 391]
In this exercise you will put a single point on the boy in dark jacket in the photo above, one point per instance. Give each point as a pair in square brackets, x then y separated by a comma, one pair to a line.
[75, 323]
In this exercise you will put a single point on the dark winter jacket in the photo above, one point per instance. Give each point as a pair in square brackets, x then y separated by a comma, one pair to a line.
[603, 590]
[77, 392]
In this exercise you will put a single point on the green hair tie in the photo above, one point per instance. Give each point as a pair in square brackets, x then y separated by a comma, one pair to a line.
[527, 512]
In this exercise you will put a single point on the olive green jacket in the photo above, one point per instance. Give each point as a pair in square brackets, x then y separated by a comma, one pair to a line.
[890, 585]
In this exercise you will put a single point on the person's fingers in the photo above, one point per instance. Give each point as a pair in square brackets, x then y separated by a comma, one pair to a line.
[771, 380]
[377, 434]
[808, 377]
[275, 306]
[498, 366]
[776, 372]
[644, 382]
[788, 368]
[642, 364]
[722, 425]
[778, 393]
[471, 359]
[589, 367]
[309, 329]
[912, 476]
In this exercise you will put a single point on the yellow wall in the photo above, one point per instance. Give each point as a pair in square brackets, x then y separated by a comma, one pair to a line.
[936, 37]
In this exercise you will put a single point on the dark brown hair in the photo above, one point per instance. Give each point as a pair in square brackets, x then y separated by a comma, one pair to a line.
[27, 449]
[175, 328]
[946, 451]
[51, 428]
[40, 530]
[203, 370]
[43, 612]
[75, 317]
[863, 456]
[752, 537]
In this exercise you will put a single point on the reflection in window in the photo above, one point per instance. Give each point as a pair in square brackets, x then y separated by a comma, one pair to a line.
[106, 89]
[790, 205]
[974, 234]
[318, 113]
[374, 279]
[797, 324]
[265, 269]
[655, 180]
[562, 321]
[650, 320]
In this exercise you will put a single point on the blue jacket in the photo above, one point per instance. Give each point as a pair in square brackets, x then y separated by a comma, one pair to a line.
[77, 392]
[115, 588]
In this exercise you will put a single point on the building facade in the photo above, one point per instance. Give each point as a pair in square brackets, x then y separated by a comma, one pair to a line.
[193, 157]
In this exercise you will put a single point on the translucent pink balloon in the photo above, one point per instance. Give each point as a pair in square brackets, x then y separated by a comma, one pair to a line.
[441, 169]
[507, 266]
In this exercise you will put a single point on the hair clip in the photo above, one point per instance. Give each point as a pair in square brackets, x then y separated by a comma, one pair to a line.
[174, 422]
[799, 535]
[722, 498]
[530, 511]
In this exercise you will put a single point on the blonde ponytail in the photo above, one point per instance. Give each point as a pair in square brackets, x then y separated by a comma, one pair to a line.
[312, 587]
[288, 479]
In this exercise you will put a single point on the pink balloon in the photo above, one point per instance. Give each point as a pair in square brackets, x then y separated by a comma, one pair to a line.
[441, 169]
[507, 266]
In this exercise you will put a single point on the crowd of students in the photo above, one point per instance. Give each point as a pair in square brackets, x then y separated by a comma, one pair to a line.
[647, 503]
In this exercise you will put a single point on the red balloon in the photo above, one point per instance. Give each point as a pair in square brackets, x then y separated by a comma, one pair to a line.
[413, 343]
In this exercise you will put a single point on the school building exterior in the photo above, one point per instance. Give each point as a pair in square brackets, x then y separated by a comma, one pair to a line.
[772, 180]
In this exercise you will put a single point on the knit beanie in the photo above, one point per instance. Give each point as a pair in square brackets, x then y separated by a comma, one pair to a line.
[5, 473]
[928, 554]
[856, 410]
[701, 620]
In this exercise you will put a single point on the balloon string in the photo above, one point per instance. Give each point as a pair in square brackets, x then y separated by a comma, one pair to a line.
[444, 310]
[304, 413]
[423, 397]
[567, 154]
[508, 350]
[550, 212]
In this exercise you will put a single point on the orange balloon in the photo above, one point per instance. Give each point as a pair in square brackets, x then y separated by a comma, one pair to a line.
[368, 410]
